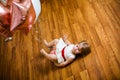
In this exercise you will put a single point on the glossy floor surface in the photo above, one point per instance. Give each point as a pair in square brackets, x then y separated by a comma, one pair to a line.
[97, 21]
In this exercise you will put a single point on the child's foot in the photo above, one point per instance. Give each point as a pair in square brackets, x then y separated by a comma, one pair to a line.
[46, 43]
[42, 51]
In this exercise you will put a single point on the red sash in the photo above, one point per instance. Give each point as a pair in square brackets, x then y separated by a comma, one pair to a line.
[63, 53]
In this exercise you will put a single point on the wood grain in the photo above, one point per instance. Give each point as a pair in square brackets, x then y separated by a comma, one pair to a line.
[97, 21]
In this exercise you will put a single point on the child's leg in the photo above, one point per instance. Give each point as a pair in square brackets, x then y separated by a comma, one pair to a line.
[52, 43]
[51, 57]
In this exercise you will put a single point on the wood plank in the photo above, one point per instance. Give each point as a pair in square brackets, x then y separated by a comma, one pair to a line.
[84, 75]
[97, 21]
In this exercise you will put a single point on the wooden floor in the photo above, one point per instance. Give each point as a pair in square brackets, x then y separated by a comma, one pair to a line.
[97, 21]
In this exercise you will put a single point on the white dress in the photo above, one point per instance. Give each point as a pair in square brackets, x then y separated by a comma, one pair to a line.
[67, 51]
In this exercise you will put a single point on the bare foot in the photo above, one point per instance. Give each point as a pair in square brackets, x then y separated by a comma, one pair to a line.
[42, 51]
[46, 43]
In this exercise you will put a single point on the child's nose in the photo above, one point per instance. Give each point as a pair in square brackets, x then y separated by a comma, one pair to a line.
[75, 48]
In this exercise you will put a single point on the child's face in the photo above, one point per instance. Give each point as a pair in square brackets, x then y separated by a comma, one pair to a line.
[77, 49]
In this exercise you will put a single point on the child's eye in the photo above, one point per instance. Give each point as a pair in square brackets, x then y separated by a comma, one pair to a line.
[77, 46]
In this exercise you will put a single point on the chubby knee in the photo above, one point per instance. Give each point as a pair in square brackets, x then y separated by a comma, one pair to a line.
[53, 58]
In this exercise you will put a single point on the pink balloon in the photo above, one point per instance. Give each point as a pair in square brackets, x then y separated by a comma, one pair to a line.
[16, 15]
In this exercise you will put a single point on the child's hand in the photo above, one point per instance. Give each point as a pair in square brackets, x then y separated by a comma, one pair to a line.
[66, 40]
[65, 37]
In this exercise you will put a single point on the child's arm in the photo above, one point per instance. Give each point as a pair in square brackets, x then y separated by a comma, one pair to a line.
[64, 63]
[66, 40]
